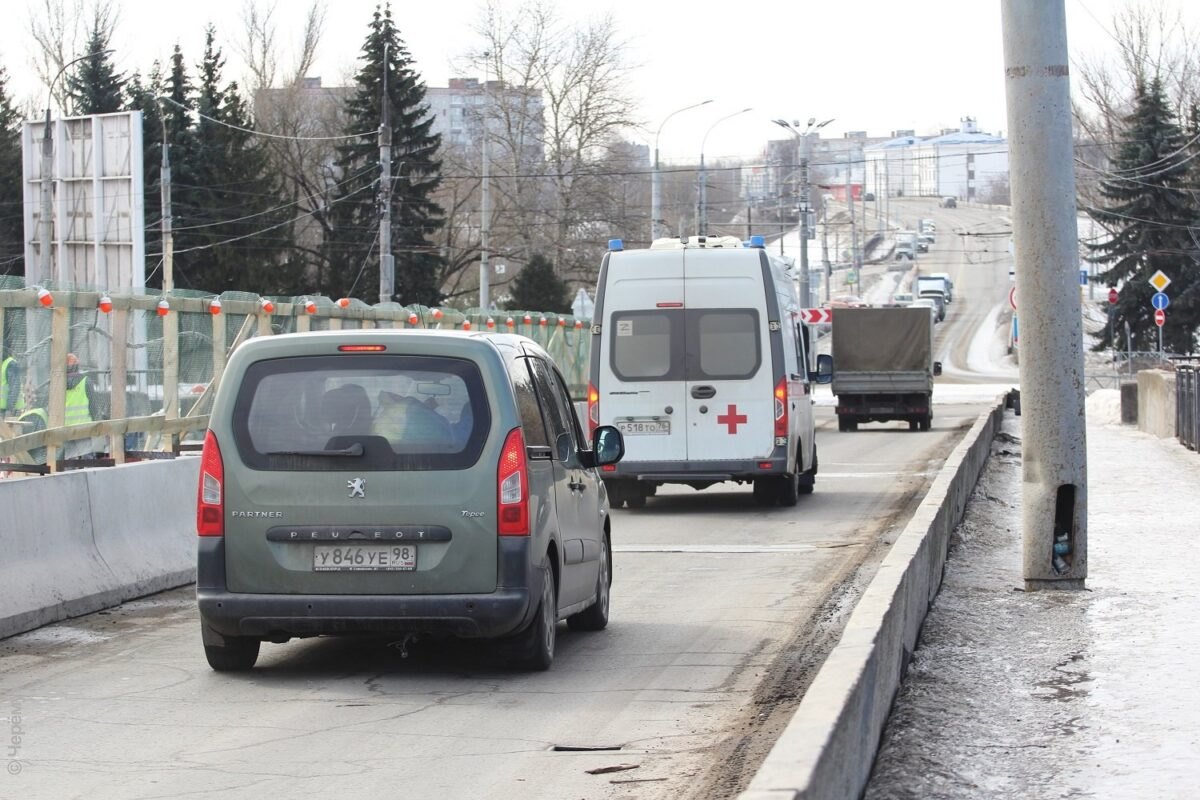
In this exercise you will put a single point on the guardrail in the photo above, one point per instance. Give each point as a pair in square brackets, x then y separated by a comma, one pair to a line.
[152, 361]
[1187, 405]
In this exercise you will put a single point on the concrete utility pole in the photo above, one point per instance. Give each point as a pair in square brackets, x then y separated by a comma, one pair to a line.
[825, 248]
[387, 264]
[657, 223]
[168, 236]
[1041, 158]
[855, 256]
[802, 140]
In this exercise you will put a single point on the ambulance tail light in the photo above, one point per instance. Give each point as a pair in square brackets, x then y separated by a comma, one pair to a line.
[781, 412]
[593, 409]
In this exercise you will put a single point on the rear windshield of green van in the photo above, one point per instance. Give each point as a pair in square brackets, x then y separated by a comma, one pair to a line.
[361, 411]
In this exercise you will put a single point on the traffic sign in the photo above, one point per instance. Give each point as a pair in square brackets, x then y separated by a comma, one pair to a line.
[1160, 301]
[1160, 317]
[816, 316]
[1112, 295]
[1083, 277]
[1012, 298]
[1160, 281]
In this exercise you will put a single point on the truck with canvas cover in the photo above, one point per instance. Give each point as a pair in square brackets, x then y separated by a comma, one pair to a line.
[700, 358]
[883, 366]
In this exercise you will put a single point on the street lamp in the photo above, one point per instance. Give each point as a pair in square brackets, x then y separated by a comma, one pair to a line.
[48, 167]
[802, 136]
[702, 194]
[656, 226]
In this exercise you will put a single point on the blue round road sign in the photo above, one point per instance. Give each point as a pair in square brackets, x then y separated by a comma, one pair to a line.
[1160, 301]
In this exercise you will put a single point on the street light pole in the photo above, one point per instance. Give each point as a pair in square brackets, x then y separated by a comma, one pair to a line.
[48, 169]
[656, 220]
[387, 263]
[702, 193]
[802, 137]
[485, 210]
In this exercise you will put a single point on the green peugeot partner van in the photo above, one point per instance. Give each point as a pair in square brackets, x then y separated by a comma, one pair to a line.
[399, 482]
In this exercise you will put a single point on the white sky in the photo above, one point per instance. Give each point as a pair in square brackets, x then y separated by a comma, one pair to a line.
[873, 65]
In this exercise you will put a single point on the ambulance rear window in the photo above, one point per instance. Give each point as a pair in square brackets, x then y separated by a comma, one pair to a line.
[648, 345]
[726, 343]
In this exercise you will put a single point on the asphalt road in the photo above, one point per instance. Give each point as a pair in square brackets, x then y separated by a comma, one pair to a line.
[722, 611]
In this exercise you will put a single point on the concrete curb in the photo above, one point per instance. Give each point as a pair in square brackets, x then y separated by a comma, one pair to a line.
[828, 748]
[79, 542]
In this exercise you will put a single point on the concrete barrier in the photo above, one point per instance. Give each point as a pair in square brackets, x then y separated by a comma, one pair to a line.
[144, 523]
[829, 746]
[77, 542]
[1156, 402]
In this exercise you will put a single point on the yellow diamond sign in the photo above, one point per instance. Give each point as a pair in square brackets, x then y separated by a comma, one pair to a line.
[1159, 281]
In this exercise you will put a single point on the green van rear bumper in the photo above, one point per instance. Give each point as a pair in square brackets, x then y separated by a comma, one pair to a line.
[277, 617]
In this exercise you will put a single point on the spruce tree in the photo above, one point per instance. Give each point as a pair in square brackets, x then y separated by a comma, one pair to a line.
[233, 208]
[143, 97]
[177, 109]
[1147, 209]
[94, 86]
[352, 251]
[12, 236]
[538, 288]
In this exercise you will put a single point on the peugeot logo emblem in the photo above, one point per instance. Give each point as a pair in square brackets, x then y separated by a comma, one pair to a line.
[357, 487]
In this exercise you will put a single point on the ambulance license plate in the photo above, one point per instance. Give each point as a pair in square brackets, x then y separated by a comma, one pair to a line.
[640, 427]
[364, 558]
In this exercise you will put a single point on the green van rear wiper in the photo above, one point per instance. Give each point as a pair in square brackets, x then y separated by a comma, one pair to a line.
[355, 449]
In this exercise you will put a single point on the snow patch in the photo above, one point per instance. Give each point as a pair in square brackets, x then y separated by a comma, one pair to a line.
[62, 634]
[1103, 406]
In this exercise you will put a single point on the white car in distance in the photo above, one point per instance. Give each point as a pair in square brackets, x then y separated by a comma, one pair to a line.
[929, 303]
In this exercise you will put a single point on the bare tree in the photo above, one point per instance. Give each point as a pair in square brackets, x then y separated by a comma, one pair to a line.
[60, 29]
[1153, 41]
[301, 116]
[557, 102]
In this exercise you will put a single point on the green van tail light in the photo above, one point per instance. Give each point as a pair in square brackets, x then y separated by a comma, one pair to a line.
[512, 487]
[210, 496]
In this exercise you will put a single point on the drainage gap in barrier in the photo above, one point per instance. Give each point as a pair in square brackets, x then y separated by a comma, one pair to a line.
[1062, 553]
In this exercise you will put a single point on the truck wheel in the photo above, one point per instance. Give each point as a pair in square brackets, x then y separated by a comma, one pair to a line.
[635, 496]
[927, 422]
[764, 492]
[914, 424]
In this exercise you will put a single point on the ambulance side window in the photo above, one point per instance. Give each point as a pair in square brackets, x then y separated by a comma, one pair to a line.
[802, 351]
